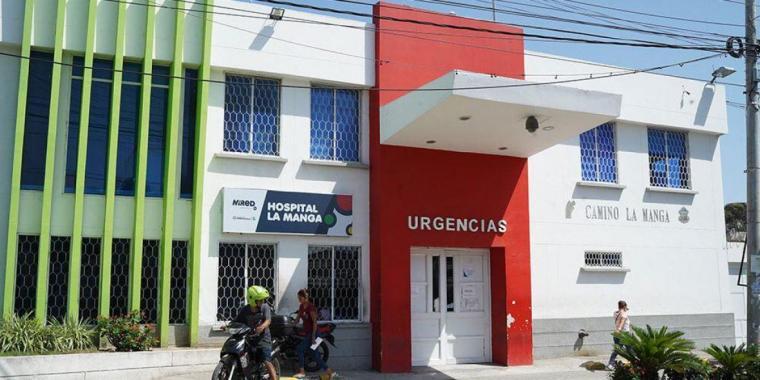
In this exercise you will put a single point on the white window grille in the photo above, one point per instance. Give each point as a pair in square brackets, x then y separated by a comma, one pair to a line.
[240, 266]
[334, 282]
[603, 259]
[89, 284]
[149, 281]
[120, 252]
[252, 115]
[178, 288]
[598, 154]
[335, 131]
[58, 277]
[668, 159]
[26, 274]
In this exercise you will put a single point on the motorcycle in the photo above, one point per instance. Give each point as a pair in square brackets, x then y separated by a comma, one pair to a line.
[240, 358]
[286, 337]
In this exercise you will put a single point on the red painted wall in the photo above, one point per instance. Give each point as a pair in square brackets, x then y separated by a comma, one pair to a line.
[409, 181]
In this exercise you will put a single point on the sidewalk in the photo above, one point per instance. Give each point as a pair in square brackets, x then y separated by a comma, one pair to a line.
[548, 369]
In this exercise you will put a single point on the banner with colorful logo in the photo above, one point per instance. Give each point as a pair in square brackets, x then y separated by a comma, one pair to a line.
[267, 211]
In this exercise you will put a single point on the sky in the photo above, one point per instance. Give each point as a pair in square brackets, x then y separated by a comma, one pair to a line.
[712, 12]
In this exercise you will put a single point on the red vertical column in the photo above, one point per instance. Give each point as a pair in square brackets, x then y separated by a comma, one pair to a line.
[499, 337]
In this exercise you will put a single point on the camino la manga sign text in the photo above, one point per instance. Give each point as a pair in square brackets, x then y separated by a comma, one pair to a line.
[643, 214]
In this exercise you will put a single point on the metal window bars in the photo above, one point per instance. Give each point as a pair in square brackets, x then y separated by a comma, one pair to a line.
[89, 284]
[119, 304]
[178, 290]
[149, 281]
[334, 282]
[26, 274]
[240, 266]
[668, 159]
[598, 154]
[335, 132]
[58, 277]
[603, 259]
[251, 115]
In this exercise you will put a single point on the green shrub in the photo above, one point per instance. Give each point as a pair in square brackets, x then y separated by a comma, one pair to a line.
[733, 361]
[623, 371]
[70, 335]
[126, 333]
[26, 335]
[649, 350]
[700, 370]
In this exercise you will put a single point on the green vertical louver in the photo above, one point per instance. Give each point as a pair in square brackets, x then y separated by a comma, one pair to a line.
[47, 192]
[104, 304]
[135, 267]
[84, 122]
[200, 170]
[18, 145]
[170, 183]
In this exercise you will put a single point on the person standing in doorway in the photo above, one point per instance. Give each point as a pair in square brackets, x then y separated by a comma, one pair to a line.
[622, 323]
[307, 313]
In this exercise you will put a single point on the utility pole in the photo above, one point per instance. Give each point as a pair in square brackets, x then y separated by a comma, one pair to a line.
[753, 178]
[493, 5]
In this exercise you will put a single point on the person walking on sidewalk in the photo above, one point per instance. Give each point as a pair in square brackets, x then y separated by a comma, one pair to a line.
[622, 323]
[307, 313]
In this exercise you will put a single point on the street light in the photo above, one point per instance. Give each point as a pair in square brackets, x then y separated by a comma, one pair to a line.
[276, 14]
[722, 72]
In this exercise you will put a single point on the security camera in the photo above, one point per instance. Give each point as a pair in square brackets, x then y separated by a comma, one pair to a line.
[531, 124]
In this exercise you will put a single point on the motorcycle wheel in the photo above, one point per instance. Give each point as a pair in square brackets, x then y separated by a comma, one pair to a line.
[276, 364]
[311, 364]
[226, 369]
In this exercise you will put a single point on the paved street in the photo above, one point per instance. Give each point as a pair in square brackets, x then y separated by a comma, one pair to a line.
[551, 369]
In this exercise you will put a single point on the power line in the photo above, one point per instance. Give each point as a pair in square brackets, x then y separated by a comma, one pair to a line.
[502, 32]
[662, 16]
[582, 11]
[418, 89]
[416, 35]
[577, 9]
[556, 75]
[560, 19]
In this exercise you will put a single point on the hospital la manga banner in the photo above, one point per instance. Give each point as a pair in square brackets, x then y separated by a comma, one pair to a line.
[249, 211]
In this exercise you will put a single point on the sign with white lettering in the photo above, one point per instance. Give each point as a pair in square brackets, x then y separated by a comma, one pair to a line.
[267, 211]
[439, 223]
[645, 214]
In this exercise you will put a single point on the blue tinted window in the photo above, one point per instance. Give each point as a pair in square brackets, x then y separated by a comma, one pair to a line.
[238, 93]
[36, 121]
[97, 140]
[598, 157]
[668, 159]
[160, 75]
[251, 115]
[188, 134]
[347, 125]
[335, 124]
[127, 148]
[132, 72]
[159, 98]
[266, 115]
[322, 123]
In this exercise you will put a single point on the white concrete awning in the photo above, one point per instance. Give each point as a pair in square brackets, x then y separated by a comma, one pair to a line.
[439, 119]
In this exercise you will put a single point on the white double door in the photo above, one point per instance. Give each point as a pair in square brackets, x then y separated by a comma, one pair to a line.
[450, 302]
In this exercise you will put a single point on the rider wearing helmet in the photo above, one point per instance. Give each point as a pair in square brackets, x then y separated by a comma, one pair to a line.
[258, 315]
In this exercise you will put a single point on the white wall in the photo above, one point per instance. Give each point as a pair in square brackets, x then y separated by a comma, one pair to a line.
[675, 268]
[292, 175]
[648, 98]
[305, 50]
[737, 294]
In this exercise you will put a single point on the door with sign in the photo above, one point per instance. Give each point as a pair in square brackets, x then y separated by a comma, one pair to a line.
[450, 299]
